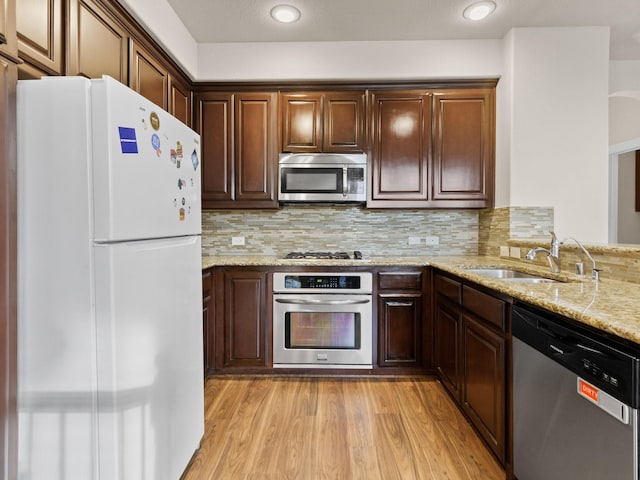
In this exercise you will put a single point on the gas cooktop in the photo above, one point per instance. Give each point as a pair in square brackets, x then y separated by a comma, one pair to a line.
[323, 255]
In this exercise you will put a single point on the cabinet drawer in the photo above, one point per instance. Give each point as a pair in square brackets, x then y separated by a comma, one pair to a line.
[400, 280]
[448, 288]
[484, 306]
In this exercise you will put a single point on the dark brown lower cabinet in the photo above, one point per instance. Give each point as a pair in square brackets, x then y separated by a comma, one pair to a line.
[399, 323]
[400, 318]
[208, 332]
[446, 347]
[470, 355]
[245, 318]
[484, 382]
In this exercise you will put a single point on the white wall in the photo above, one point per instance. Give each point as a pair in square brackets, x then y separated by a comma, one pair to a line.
[628, 218]
[350, 60]
[624, 101]
[552, 99]
[164, 25]
[504, 113]
[559, 125]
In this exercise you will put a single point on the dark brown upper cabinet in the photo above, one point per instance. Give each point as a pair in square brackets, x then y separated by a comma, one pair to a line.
[214, 123]
[39, 29]
[400, 148]
[179, 100]
[432, 148]
[147, 76]
[463, 160]
[238, 137]
[323, 121]
[98, 44]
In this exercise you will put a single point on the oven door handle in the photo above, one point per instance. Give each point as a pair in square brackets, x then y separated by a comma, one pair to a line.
[321, 302]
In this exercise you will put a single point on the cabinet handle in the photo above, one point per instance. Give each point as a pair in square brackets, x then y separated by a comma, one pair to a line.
[345, 186]
[400, 304]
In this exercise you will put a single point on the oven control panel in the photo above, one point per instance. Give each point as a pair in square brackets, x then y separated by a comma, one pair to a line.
[326, 282]
[340, 282]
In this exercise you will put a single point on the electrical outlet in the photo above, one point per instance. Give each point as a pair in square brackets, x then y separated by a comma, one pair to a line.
[431, 240]
[237, 240]
[514, 252]
[414, 240]
[504, 251]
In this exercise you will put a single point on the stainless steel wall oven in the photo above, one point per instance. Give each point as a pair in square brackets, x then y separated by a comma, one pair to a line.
[322, 320]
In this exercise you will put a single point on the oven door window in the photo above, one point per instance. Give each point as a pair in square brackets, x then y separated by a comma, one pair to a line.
[311, 180]
[322, 330]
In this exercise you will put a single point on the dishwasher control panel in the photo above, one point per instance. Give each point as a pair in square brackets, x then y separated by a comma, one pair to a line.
[609, 365]
[592, 367]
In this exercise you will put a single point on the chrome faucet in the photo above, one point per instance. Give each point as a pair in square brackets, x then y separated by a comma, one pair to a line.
[595, 271]
[553, 253]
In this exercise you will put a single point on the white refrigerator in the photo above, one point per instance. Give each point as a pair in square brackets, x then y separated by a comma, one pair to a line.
[110, 361]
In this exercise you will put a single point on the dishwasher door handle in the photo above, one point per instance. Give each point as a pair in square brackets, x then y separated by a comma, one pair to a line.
[557, 349]
[564, 348]
[604, 401]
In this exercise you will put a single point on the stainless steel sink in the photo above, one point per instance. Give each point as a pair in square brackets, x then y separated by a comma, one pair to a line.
[511, 275]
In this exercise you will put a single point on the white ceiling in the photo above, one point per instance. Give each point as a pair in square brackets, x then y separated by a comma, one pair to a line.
[221, 21]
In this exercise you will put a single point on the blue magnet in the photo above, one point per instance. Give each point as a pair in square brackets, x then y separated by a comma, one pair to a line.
[128, 142]
[194, 160]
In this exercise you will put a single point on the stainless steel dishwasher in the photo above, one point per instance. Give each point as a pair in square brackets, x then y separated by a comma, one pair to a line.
[575, 401]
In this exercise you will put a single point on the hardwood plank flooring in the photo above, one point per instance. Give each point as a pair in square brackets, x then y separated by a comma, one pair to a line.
[312, 428]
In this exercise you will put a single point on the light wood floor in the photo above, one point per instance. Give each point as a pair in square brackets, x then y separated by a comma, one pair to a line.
[336, 428]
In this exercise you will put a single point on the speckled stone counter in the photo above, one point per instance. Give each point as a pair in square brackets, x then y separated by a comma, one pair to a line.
[609, 305]
[250, 261]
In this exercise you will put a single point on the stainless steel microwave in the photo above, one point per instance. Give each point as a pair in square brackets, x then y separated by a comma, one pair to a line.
[322, 177]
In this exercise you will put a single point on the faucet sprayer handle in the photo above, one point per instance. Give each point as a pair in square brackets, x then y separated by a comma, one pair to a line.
[555, 244]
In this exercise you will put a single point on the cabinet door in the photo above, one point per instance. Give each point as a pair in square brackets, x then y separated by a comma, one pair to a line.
[447, 330]
[245, 318]
[8, 42]
[208, 329]
[39, 27]
[399, 330]
[301, 122]
[147, 76]
[255, 150]
[179, 101]
[463, 147]
[98, 45]
[213, 123]
[484, 382]
[343, 120]
[400, 148]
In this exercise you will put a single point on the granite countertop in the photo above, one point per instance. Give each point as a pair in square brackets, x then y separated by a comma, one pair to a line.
[608, 305]
[266, 261]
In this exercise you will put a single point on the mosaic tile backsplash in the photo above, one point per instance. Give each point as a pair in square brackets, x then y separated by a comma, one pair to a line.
[340, 228]
[388, 232]
[499, 225]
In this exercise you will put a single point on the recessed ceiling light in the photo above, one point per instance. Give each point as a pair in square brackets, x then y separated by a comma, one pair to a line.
[285, 13]
[478, 10]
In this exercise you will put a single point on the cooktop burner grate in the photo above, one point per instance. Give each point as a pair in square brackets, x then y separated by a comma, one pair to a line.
[319, 255]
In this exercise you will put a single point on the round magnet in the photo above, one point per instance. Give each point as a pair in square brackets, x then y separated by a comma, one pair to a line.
[154, 119]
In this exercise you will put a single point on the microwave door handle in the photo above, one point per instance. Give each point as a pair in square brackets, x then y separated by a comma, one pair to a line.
[345, 185]
[321, 302]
